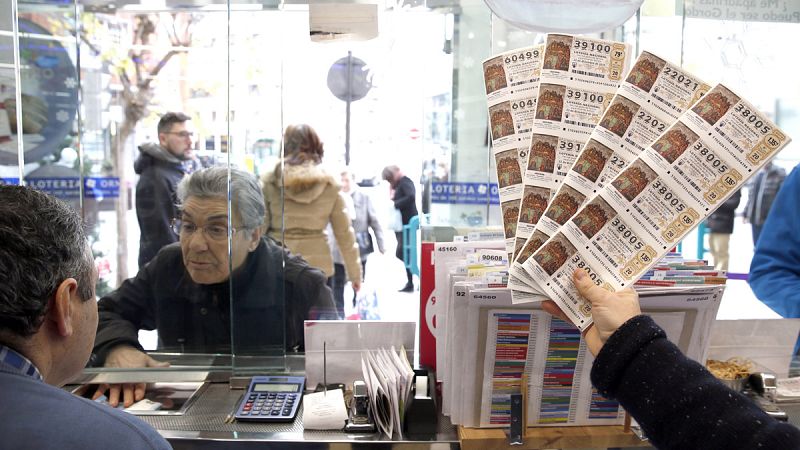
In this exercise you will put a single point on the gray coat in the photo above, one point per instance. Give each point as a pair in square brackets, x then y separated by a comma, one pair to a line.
[365, 218]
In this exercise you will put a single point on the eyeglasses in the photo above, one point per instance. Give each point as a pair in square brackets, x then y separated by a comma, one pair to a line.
[215, 232]
[183, 134]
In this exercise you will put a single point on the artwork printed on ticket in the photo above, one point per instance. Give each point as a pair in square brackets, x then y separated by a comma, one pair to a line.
[592, 62]
[542, 154]
[510, 211]
[564, 205]
[510, 121]
[594, 168]
[513, 72]
[534, 202]
[537, 239]
[509, 173]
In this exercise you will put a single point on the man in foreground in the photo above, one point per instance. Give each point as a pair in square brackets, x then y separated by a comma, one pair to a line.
[48, 317]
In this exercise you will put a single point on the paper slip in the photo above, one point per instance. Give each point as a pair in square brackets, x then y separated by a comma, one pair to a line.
[788, 389]
[579, 77]
[691, 169]
[512, 82]
[650, 100]
[324, 410]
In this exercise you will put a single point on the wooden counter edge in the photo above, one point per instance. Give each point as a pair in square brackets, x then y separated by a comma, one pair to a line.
[549, 437]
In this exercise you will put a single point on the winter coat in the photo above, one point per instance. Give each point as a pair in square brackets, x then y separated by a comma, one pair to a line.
[676, 401]
[721, 220]
[300, 204]
[159, 173]
[405, 198]
[196, 318]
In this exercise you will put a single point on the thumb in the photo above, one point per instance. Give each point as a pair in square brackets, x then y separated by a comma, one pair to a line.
[156, 363]
[586, 287]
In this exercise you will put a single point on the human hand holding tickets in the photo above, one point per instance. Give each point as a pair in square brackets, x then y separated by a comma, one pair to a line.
[609, 309]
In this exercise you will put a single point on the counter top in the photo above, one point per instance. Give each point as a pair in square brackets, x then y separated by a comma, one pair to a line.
[203, 426]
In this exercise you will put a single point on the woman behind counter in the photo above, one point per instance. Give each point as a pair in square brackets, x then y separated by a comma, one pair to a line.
[310, 201]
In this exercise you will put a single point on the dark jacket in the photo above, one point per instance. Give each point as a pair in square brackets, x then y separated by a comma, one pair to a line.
[159, 173]
[196, 318]
[677, 402]
[405, 198]
[775, 268]
[763, 190]
[721, 220]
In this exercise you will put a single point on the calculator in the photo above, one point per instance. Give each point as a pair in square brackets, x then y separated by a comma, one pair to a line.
[271, 399]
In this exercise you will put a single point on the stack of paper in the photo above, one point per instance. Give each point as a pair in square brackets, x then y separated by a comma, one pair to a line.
[389, 377]
[674, 270]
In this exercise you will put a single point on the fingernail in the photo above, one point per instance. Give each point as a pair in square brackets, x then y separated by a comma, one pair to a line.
[580, 275]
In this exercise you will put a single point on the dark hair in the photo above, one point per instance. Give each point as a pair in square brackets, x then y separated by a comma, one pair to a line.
[301, 144]
[170, 118]
[43, 243]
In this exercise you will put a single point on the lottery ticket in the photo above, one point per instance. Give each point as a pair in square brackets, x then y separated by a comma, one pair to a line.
[511, 80]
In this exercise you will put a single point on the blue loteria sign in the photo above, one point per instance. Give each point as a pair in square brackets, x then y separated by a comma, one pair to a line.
[465, 193]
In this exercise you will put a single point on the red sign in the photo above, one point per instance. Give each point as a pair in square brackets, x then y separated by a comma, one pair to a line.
[427, 282]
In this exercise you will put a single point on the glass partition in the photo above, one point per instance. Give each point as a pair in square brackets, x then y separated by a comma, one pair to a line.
[9, 73]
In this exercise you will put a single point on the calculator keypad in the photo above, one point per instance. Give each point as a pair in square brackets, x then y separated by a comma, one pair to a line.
[273, 405]
[266, 400]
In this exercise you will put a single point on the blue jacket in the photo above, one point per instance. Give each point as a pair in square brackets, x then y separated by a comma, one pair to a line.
[775, 269]
[35, 415]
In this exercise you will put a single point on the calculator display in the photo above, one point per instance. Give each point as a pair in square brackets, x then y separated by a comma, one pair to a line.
[274, 387]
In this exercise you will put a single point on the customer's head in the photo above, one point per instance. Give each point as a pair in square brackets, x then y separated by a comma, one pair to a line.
[173, 135]
[301, 144]
[47, 278]
[391, 174]
[347, 180]
[203, 224]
